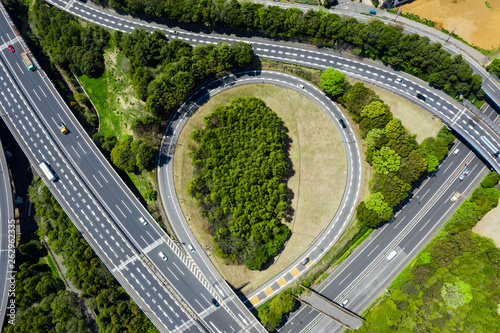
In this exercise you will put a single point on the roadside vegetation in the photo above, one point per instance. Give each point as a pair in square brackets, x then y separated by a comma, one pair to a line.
[398, 161]
[240, 185]
[454, 283]
[411, 53]
[494, 67]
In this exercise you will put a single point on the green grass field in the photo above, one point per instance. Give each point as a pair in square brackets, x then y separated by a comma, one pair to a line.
[113, 96]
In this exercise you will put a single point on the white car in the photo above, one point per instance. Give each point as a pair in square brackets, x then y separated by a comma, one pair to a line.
[463, 174]
[143, 221]
[344, 303]
[191, 248]
[399, 80]
[300, 85]
[163, 256]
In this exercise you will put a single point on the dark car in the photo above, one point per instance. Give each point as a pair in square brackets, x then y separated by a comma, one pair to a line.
[11, 48]
[342, 123]
[420, 96]
[305, 261]
[214, 302]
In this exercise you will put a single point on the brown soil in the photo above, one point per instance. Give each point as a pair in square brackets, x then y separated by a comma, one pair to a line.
[472, 19]
[489, 226]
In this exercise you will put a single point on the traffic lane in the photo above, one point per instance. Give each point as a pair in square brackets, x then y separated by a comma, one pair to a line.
[74, 189]
[165, 307]
[78, 190]
[383, 269]
[379, 243]
[101, 17]
[444, 203]
[49, 113]
[5, 216]
[221, 321]
[181, 278]
[324, 60]
[470, 124]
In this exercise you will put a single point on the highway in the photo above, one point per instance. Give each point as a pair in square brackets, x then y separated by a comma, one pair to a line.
[441, 105]
[172, 293]
[7, 240]
[339, 221]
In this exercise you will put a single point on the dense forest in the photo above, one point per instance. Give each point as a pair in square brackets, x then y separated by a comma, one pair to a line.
[454, 284]
[398, 160]
[42, 303]
[240, 165]
[411, 53]
[48, 308]
[70, 45]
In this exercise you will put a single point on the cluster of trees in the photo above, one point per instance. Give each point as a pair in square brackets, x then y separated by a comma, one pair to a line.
[42, 303]
[412, 53]
[494, 67]
[398, 160]
[116, 312]
[455, 282]
[129, 154]
[163, 72]
[71, 45]
[240, 184]
[271, 313]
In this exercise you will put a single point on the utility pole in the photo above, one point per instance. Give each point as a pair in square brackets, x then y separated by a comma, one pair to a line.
[397, 14]
[451, 33]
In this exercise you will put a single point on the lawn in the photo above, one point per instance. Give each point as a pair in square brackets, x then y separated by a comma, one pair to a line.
[316, 154]
[53, 268]
[417, 120]
[113, 96]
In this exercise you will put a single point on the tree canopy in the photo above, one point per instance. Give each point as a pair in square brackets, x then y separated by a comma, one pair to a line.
[333, 82]
[240, 184]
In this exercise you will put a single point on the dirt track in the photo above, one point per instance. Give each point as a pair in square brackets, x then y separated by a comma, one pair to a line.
[472, 19]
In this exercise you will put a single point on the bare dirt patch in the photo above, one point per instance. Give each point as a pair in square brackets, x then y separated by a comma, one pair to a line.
[416, 119]
[489, 226]
[476, 21]
[319, 162]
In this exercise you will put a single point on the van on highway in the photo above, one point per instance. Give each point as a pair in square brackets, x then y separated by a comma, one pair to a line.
[344, 303]
[456, 151]
[455, 196]
[143, 221]
[391, 255]
[163, 256]
[191, 248]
